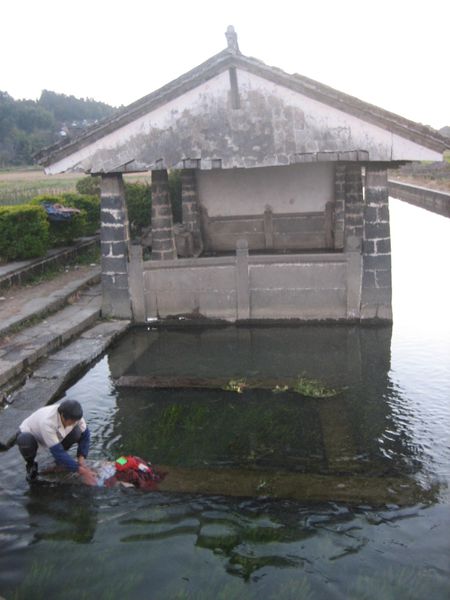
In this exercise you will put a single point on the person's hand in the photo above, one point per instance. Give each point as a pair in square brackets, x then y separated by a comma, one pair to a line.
[81, 460]
[87, 476]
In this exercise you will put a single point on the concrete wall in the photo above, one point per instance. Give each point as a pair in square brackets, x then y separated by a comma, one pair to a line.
[273, 208]
[437, 202]
[291, 189]
[315, 286]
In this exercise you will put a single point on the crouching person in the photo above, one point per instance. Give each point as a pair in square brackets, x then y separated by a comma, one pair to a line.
[57, 428]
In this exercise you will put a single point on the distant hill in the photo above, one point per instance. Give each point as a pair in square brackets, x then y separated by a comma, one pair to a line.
[445, 131]
[26, 126]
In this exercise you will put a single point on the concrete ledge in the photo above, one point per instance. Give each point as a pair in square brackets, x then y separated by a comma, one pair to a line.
[217, 261]
[432, 200]
[19, 272]
[53, 376]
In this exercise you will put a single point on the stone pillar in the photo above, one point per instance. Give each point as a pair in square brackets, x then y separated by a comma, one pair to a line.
[354, 204]
[136, 283]
[339, 202]
[115, 242]
[163, 239]
[189, 199]
[242, 281]
[376, 288]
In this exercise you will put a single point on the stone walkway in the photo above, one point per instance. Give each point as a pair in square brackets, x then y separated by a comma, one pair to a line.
[49, 332]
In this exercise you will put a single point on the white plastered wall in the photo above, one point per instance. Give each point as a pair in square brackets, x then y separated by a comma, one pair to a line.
[291, 189]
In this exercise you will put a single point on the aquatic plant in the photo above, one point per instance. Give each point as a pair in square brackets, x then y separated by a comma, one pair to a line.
[235, 385]
[280, 388]
[305, 386]
[313, 388]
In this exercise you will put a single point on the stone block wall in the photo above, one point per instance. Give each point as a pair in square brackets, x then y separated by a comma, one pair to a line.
[376, 286]
[354, 202]
[163, 240]
[339, 201]
[190, 210]
[115, 243]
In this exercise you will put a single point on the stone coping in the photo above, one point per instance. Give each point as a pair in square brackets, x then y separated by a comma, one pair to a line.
[215, 261]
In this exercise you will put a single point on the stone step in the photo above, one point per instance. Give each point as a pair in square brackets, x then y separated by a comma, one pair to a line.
[53, 375]
[22, 350]
[39, 307]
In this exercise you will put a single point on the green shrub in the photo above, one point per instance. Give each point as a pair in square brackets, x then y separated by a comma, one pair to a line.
[90, 204]
[138, 197]
[63, 233]
[24, 232]
[89, 185]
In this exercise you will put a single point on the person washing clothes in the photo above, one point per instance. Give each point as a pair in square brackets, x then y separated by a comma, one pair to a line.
[57, 428]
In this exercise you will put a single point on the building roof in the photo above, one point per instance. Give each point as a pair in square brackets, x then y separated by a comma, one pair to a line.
[232, 59]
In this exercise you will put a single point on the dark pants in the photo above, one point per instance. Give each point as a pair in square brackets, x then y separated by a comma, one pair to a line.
[28, 445]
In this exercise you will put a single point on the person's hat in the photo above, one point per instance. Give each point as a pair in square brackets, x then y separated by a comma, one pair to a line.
[70, 409]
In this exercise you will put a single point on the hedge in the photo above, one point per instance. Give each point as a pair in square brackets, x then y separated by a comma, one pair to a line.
[88, 203]
[24, 232]
[63, 233]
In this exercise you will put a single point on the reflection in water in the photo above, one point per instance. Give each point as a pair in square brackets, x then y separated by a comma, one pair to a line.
[352, 434]
[382, 445]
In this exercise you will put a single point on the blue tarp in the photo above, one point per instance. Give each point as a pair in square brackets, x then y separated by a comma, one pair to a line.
[57, 212]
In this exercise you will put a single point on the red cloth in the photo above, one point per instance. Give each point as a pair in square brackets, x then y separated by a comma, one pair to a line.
[134, 470]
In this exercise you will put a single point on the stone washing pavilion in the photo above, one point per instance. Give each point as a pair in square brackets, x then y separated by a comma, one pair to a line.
[284, 196]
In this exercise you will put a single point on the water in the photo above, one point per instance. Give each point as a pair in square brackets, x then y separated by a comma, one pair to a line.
[345, 498]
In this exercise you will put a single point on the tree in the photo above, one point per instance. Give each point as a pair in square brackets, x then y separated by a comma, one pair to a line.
[26, 126]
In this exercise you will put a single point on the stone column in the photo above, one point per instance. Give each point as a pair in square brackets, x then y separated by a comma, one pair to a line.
[191, 217]
[115, 242]
[354, 206]
[339, 201]
[163, 239]
[377, 288]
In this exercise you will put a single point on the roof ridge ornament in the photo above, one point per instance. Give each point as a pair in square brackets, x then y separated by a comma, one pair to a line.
[232, 40]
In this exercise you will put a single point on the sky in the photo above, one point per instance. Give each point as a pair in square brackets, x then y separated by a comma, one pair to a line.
[394, 54]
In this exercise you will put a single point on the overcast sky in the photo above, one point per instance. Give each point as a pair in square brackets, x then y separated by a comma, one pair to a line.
[394, 54]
